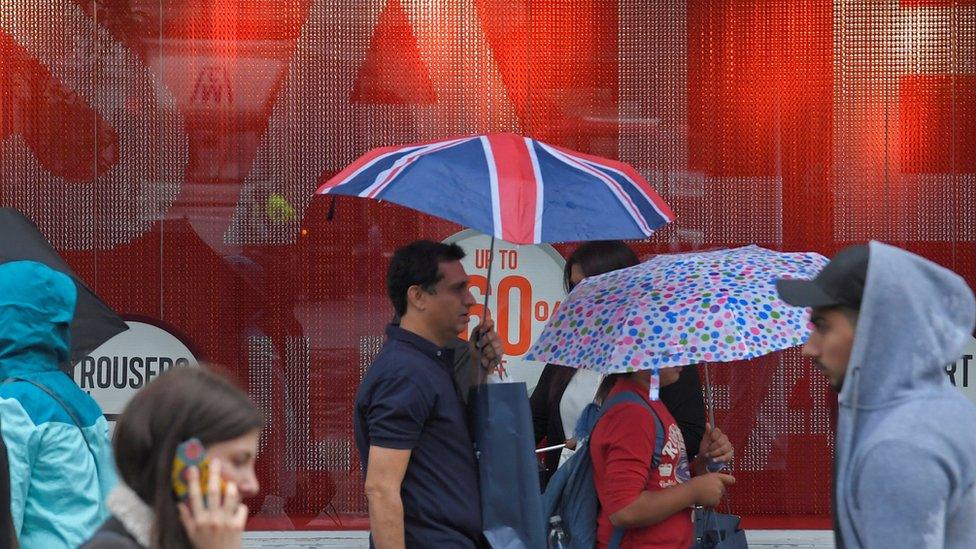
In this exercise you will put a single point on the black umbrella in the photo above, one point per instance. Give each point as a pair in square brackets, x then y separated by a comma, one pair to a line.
[94, 322]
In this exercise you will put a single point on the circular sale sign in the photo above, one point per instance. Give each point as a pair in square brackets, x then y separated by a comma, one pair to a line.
[118, 368]
[526, 287]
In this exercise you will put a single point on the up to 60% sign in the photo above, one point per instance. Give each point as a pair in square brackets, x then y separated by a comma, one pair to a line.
[515, 289]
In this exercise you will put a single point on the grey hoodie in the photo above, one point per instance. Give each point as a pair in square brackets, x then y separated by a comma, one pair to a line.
[906, 439]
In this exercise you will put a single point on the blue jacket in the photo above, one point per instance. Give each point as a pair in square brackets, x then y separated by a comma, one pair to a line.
[906, 439]
[60, 471]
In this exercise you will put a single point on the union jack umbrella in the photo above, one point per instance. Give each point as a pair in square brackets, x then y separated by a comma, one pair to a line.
[511, 187]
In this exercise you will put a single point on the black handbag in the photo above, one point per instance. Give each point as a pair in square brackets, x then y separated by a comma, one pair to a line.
[714, 530]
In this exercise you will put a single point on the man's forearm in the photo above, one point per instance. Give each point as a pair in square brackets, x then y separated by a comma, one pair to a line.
[386, 520]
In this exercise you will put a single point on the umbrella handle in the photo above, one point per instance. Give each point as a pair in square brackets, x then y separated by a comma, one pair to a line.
[502, 374]
[491, 263]
[712, 466]
[709, 398]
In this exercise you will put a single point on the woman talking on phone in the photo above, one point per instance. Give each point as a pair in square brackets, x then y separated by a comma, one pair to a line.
[183, 408]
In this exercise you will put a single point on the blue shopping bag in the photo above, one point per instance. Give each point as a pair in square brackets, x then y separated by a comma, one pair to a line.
[511, 505]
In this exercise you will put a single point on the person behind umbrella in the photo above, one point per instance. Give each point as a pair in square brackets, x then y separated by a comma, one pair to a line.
[886, 323]
[410, 425]
[57, 442]
[562, 392]
[651, 504]
[179, 405]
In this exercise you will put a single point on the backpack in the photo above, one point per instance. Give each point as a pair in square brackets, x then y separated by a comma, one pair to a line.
[571, 492]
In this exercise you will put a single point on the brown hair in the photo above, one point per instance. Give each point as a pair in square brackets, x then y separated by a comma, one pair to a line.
[607, 385]
[178, 405]
[598, 257]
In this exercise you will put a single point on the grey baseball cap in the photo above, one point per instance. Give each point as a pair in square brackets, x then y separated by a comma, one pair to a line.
[840, 283]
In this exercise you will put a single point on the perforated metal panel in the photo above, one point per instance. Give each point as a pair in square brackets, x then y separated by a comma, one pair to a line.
[170, 149]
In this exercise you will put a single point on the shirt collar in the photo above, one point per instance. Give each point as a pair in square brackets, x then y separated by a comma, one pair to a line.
[429, 348]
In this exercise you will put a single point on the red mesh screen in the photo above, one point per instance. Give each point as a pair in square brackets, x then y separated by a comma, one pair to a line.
[170, 149]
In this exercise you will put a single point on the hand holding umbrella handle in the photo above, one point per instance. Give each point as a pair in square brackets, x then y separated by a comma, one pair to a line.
[715, 451]
[486, 341]
[487, 346]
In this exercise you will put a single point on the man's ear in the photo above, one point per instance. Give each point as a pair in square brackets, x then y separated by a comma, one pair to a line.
[417, 297]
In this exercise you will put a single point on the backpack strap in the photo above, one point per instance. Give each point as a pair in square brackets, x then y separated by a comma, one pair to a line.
[617, 538]
[71, 412]
[630, 396]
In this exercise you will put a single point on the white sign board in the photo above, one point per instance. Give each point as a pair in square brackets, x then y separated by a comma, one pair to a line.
[118, 368]
[962, 374]
[526, 287]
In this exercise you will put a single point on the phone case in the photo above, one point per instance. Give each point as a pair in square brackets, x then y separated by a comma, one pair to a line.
[189, 454]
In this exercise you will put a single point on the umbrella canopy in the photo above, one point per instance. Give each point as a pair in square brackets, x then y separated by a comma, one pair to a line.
[679, 309]
[94, 322]
[511, 187]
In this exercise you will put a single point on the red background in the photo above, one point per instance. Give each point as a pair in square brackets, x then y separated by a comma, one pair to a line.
[170, 150]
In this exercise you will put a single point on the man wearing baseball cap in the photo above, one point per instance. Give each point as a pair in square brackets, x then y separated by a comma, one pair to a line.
[886, 324]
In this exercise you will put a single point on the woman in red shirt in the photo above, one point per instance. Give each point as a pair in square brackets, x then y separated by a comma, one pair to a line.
[653, 505]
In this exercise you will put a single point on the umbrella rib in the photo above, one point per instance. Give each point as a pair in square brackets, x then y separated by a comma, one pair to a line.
[539, 188]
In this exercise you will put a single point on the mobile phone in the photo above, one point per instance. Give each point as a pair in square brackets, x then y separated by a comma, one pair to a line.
[190, 453]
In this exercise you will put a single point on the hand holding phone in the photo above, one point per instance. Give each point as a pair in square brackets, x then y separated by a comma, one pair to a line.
[212, 515]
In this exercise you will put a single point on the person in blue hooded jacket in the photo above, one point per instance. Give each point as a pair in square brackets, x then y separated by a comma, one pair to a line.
[886, 325]
[61, 465]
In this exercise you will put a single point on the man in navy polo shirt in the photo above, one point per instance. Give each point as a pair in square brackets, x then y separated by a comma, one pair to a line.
[410, 422]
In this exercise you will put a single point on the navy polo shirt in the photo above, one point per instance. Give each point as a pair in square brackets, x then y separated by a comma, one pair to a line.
[408, 401]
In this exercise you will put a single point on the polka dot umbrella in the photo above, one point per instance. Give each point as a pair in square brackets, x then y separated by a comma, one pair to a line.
[679, 309]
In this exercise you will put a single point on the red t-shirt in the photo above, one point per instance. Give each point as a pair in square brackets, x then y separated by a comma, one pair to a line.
[622, 446]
